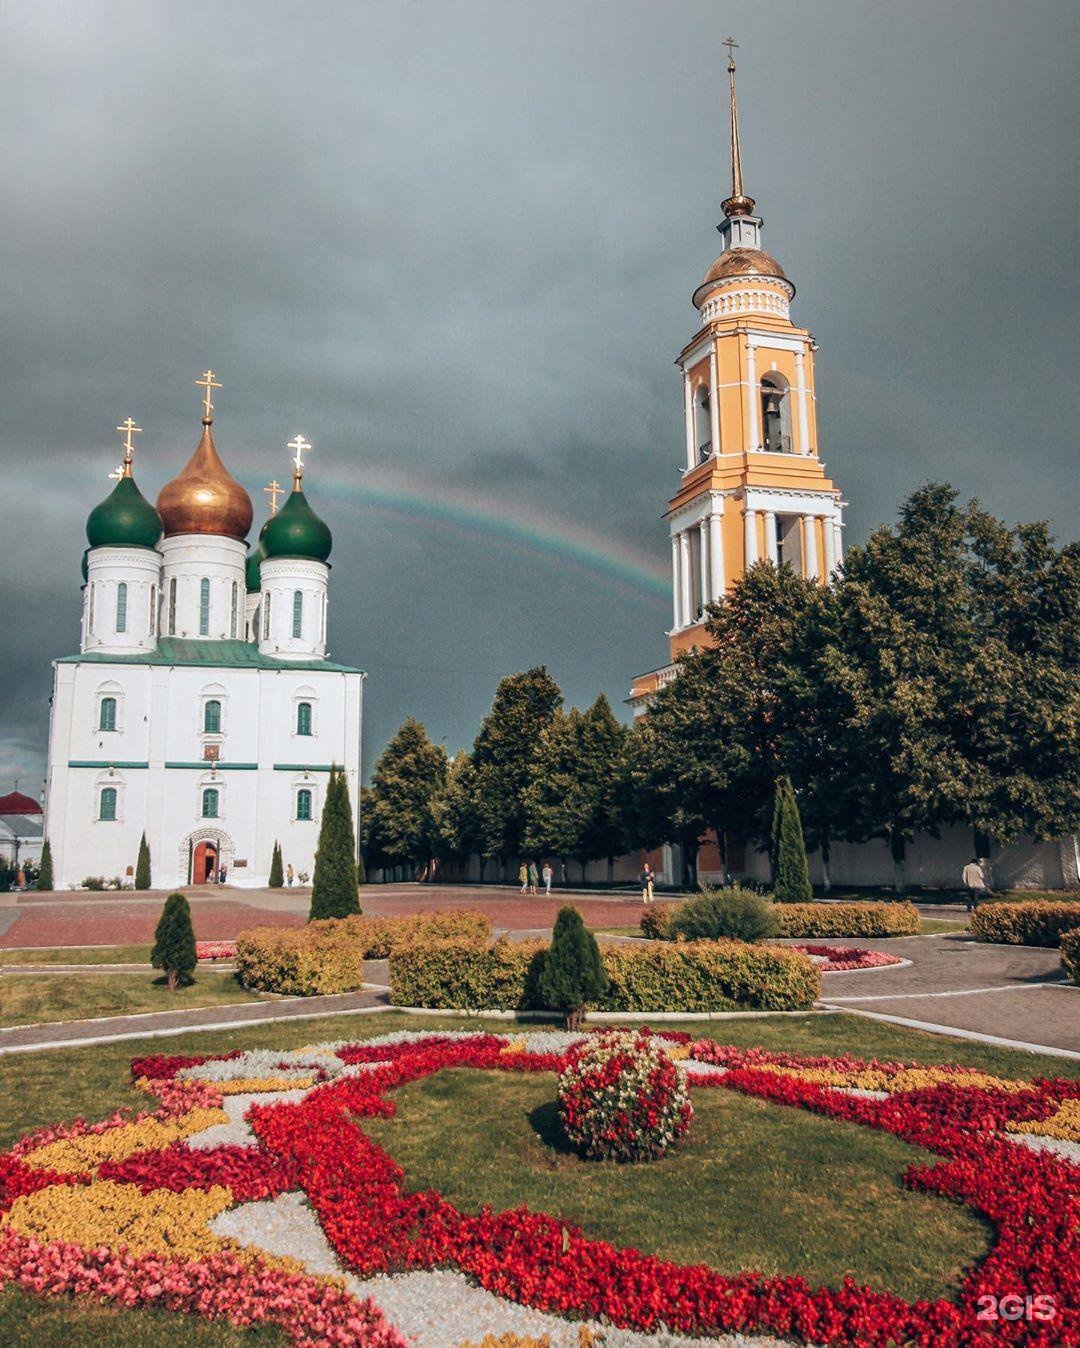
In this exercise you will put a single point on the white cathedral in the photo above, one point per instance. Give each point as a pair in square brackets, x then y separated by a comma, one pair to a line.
[201, 709]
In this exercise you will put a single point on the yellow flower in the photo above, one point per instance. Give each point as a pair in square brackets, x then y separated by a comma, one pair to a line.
[76, 1154]
[515, 1046]
[1064, 1124]
[256, 1085]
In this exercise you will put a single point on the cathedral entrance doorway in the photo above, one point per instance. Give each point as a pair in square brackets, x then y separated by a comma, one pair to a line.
[204, 864]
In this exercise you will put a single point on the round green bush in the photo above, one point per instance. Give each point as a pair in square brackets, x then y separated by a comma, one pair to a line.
[735, 912]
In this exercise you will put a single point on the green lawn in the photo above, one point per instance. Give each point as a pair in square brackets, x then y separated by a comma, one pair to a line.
[28, 999]
[754, 1185]
[27, 1321]
[934, 926]
[98, 954]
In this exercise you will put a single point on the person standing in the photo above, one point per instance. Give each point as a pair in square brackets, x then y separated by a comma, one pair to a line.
[646, 876]
[290, 875]
[523, 878]
[547, 875]
[975, 883]
[534, 878]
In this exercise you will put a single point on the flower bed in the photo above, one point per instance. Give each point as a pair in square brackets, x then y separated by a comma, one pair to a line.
[65, 1231]
[842, 959]
[215, 950]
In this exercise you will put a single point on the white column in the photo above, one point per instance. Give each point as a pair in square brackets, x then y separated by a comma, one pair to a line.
[810, 561]
[770, 536]
[750, 536]
[716, 556]
[838, 540]
[688, 412]
[687, 578]
[703, 553]
[800, 392]
[752, 392]
[714, 401]
[675, 581]
[829, 534]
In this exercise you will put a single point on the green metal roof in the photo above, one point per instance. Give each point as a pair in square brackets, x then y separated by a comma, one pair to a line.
[187, 651]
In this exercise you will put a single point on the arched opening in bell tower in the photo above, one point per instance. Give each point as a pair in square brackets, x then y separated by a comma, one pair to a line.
[702, 423]
[775, 414]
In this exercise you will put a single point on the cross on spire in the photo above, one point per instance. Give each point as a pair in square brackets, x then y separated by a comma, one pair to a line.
[127, 429]
[274, 489]
[732, 47]
[207, 382]
[299, 444]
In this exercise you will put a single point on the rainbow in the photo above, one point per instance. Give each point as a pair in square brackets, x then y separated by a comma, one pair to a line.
[510, 524]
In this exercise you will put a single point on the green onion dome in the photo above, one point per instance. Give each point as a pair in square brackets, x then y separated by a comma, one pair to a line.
[125, 519]
[296, 531]
[251, 570]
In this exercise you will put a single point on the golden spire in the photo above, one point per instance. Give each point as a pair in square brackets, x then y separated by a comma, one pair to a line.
[127, 429]
[274, 489]
[738, 203]
[207, 382]
[299, 444]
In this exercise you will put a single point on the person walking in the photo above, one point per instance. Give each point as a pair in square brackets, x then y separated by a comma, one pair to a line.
[547, 875]
[534, 878]
[646, 876]
[975, 883]
[523, 878]
[290, 874]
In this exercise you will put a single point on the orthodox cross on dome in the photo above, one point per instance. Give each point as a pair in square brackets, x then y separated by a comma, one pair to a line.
[738, 203]
[274, 489]
[207, 382]
[127, 429]
[299, 444]
[732, 47]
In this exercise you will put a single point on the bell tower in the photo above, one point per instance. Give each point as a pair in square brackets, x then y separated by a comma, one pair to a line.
[752, 487]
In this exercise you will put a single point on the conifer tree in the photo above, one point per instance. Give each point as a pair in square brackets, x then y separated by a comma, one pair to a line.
[277, 871]
[361, 870]
[398, 815]
[45, 875]
[142, 866]
[334, 885]
[573, 973]
[174, 942]
[791, 875]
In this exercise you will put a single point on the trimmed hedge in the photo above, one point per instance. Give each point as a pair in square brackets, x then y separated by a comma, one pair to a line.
[1070, 954]
[812, 920]
[1024, 923]
[675, 976]
[328, 956]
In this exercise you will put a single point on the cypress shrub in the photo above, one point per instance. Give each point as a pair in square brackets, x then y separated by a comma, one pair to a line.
[361, 870]
[45, 875]
[572, 973]
[174, 942]
[791, 875]
[334, 885]
[277, 873]
[142, 866]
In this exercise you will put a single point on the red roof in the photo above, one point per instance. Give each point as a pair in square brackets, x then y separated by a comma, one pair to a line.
[17, 803]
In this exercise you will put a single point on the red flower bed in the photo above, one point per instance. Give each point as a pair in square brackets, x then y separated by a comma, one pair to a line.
[841, 959]
[215, 950]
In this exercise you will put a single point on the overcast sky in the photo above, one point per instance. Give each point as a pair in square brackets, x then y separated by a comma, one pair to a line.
[454, 244]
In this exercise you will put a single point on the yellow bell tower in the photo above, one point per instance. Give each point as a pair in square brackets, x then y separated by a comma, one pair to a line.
[753, 486]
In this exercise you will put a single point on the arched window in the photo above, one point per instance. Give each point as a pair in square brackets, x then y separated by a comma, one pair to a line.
[204, 607]
[702, 423]
[266, 616]
[235, 602]
[212, 717]
[121, 606]
[303, 803]
[303, 718]
[298, 613]
[107, 718]
[172, 607]
[210, 802]
[107, 804]
[153, 609]
[775, 414]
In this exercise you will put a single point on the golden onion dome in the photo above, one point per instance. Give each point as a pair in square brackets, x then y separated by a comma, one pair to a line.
[205, 498]
[736, 262]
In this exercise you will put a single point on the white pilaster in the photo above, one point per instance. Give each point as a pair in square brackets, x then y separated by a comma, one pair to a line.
[688, 412]
[686, 569]
[805, 446]
[829, 535]
[714, 401]
[716, 556]
[675, 582]
[769, 517]
[752, 393]
[810, 558]
[838, 540]
[703, 554]
[750, 537]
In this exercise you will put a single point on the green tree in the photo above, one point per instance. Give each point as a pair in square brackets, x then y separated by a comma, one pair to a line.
[558, 805]
[455, 814]
[277, 871]
[174, 942]
[503, 755]
[45, 873]
[142, 866]
[791, 875]
[334, 888]
[603, 754]
[573, 973]
[410, 773]
[361, 872]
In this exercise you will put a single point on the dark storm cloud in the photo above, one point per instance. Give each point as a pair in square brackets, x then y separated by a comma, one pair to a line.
[458, 240]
